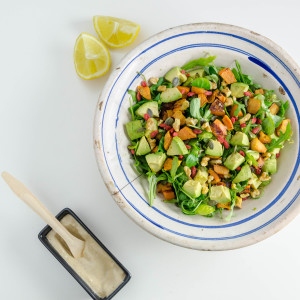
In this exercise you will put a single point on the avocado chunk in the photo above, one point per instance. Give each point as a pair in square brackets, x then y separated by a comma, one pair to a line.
[201, 175]
[238, 89]
[243, 175]
[254, 154]
[197, 73]
[151, 125]
[192, 188]
[254, 181]
[220, 194]
[143, 147]
[234, 160]
[171, 94]
[270, 166]
[135, 129]
[156, 161]
[214, 148]
[240, 139]
[175, 72]
[143, 109]
[177, 147]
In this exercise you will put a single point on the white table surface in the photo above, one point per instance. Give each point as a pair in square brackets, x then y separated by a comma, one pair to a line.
[46, 120]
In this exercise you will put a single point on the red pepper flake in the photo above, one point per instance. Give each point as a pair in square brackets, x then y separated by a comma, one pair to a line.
[138, 96]
[226, 145]
[175, 134]
[193, 171]
[153, 133]
[238, 168]
[167, 127]
[233, 119]
[180, 157]
[255, 130]
[208, 93]
[197, 131]
[146, 116]
[144, 83]
[171, 130]
[277, 155]
[258, 171]
[249, 94]
[187, 74]
[162, 125]
[242, 153]
[188, 146]
[190, 94]
[182, 71]
[258, 121]
[132, 151]
[243, 125]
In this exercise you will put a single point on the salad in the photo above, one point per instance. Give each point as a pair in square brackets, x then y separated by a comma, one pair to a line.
[206, 137]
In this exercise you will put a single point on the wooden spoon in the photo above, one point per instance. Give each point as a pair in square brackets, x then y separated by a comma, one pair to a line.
[75, 245]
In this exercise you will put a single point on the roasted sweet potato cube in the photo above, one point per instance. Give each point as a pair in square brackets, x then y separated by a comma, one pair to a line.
[212, 97]
[186, 133]
[144, 91]
[227, 122]
[257, 145]
[181, 104]
[224, 205]
[167, 114]
[183, 89]
[246, 189]
[154, 150]
[197, 90]
[220, 96]
[218, 128]
[260, 162]
[253, 106]
[233, 108]
[164, 187]
[274, 109]
[227, 75]
[169, 195]
[168, 164]
[167, 140]
[264, 138]
[282, 127]
[217, 108]
[203, 99]
[259, 91]
[221, 170]
[215, 175]
[177, 114]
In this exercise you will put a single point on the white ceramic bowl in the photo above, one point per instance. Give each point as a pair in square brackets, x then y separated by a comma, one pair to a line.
[258, 56]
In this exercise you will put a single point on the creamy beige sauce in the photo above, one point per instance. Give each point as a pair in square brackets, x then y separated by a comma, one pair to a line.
[95, 267]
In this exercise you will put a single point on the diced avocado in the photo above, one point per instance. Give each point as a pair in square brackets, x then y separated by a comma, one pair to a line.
[192, 188]
[170, 94]
[151, 125]
[197, 73]
[238, 89]
[177, 147]
[135, 129]
[201, 175]
[270, 166]
[243, 175]
[214, 148]
[220, 194]
[254, 181]
[234, 160]
[143, 109]
[156, 161]
[175, 72]
[143, 147]
[255, 154]
[240, 139]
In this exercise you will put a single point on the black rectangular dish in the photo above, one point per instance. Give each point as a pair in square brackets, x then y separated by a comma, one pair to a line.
[43, 238]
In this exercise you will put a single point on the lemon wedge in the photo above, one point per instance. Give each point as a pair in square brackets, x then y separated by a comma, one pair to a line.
[115, 32]
[91, 57]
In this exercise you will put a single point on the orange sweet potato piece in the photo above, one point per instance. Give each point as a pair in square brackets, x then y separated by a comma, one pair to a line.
[197, 90]
[234, 107]
[178, 104]
[222, 170]
[186, 133]
[227, 122]
[218, 128]
[215, 175]
[274, 109]
[246, 189]
[253, 106]
[227, 75]
[164, 187]
[264, 138]
[282, 126]
[168, 140]
[154, 150]
[217, 108]
[259, 91]
[183, 89]
[220, 96]
[167, 114]
[169, 195]
[177, 114]
[203, 99]
[257, 145]
[224, 205]
[260, 162]
[168, 164]
[144, 91]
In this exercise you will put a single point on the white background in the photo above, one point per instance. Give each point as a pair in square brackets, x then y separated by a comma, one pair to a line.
[46, 120]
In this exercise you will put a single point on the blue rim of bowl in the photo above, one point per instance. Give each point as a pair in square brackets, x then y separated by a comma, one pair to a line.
[267, 68]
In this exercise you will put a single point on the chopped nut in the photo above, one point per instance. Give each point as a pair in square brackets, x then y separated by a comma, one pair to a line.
[245, 119]
[210, 178]
[187, 171]
[191, 122]
[153, 80]
[233, 186]
[185, 105]
[213, 85]
[266, 155]
[160, 122]
[176, 125]
[204, 189]
[152, 143]
[227, 176]
[223, 83]
[228, 101]
[215, 161]
[206, 127]
[204, 161]
[264, 177]
[161, 88]
[255, 193]
[238, 202]
[244, 195]
[226, 91]
[234, 98]
[150, 124]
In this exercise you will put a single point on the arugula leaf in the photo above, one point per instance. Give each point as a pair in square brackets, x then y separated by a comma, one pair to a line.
[202, 61]
[233, 199]
[252, 159]
[236, 74]
[268, 126]
[153, 180]
[195, 108]
[213, 78]
[133, 95]
[130, 108]
[276, 119]
[239, 71]
[283, 137]
[174, 167]
[161, 145]
[240, 106]
[283, 107]
[212, 70]
[155, 86]
[192, 159]
[201, 83]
